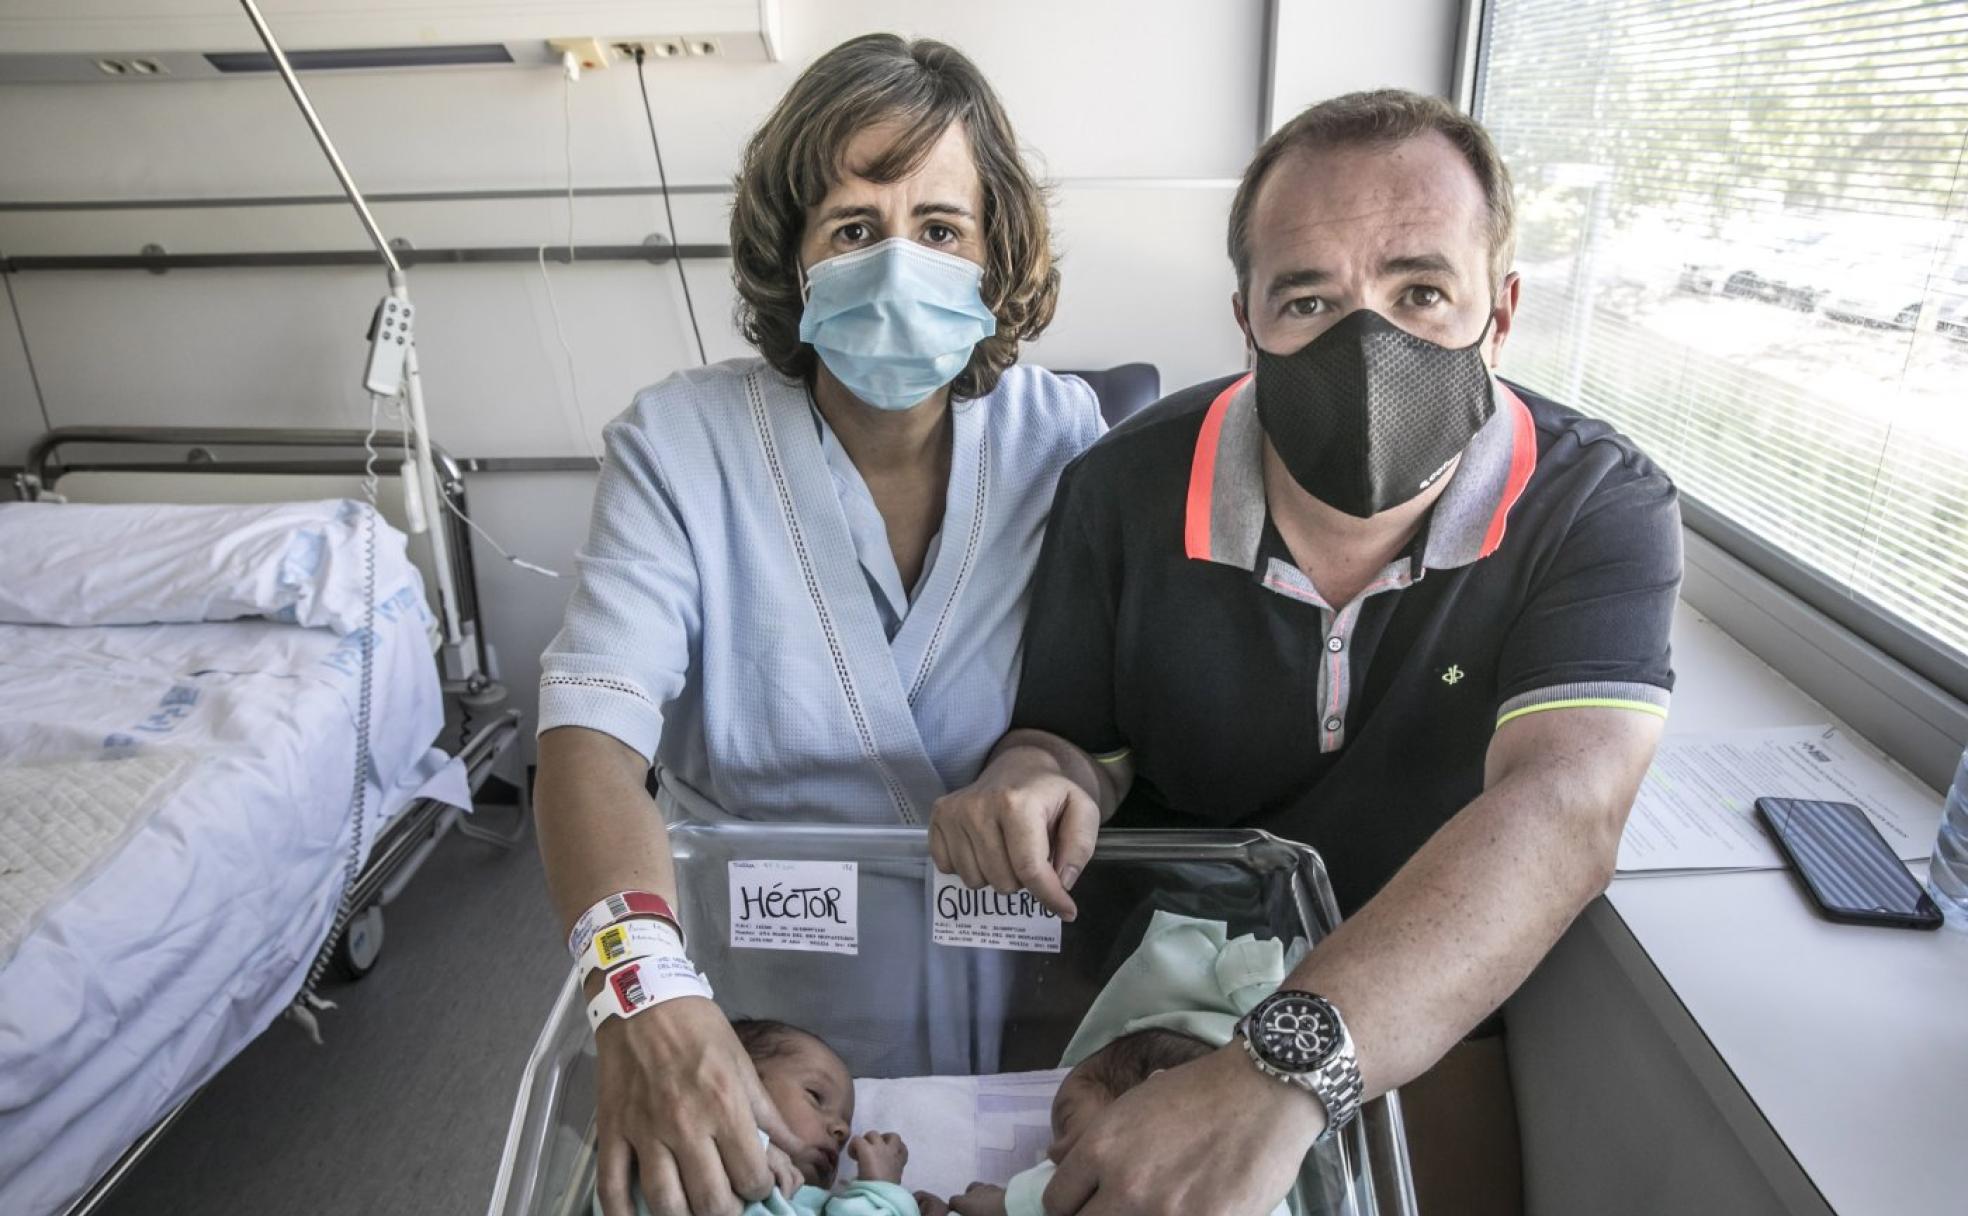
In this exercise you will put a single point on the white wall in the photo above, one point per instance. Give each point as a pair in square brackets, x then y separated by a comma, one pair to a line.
[20, 417]
[1142, 112]
[1118, 89]
[1325, 48]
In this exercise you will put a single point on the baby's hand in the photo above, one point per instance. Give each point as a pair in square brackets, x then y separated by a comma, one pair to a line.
[881, 1156]
[785, 1175]
[980, 1200]
[930, 1205]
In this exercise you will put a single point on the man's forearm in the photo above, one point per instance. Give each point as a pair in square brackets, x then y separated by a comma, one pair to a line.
[1105, 783]
[599, 832]
[1461, 925]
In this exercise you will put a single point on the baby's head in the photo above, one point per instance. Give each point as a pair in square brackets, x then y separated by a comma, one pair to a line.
[1110, 1072]
[811, 1088]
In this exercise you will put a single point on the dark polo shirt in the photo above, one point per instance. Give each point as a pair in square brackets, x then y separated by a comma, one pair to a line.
[1169, 623]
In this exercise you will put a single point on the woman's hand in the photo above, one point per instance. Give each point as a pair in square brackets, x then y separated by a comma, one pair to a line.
[680, 1106]
[880, 1156]
[1022, 823]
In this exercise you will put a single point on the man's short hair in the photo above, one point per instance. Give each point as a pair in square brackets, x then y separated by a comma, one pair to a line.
[795, 157]
[1380, 118]
[1133, 1058]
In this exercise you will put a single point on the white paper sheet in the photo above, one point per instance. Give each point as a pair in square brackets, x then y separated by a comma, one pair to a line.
[961, 1130]
[1697, 806]
[985, 920]
[795, 905]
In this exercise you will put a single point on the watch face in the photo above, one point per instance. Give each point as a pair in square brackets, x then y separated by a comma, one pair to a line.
[1295, 1033]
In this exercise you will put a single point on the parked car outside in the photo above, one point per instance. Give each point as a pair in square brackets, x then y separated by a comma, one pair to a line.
[1893, 296]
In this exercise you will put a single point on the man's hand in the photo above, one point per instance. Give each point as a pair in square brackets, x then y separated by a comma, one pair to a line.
[1021, 824]
[680, 1105]
[880, 1156]
[1226, 1139]
[979, 1199]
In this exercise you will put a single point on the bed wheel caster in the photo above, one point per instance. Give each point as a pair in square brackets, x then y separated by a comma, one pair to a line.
[362, 941]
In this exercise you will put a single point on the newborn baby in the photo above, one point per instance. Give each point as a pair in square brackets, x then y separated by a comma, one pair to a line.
[1089, 1089]
[814, 1093]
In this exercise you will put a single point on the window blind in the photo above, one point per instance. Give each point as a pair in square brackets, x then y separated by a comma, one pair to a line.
[1743, 237]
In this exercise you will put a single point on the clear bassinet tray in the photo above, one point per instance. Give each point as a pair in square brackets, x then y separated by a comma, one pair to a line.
[902, 1006]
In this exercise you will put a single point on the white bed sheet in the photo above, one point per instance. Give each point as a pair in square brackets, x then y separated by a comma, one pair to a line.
[185, 944]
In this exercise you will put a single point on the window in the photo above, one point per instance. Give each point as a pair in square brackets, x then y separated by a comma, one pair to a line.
[1743, 236]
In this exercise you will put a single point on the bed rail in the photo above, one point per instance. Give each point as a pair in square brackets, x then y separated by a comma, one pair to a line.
[403, 848]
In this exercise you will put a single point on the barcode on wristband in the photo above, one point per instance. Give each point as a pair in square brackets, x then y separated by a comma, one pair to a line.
[618, 906]
[628, 987]
[612, 944]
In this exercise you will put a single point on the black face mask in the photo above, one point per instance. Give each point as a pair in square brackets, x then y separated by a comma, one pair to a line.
[1366, 415]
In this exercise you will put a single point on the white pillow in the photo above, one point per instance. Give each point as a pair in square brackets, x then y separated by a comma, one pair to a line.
[153, 563]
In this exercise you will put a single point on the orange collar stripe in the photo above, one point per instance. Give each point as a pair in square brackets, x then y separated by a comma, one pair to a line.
[1523, 459]
[1202, 475]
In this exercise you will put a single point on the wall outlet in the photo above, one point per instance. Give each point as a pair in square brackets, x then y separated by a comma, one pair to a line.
[678, 46]
[591, 53]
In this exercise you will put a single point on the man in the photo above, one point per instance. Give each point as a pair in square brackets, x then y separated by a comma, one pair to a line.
[1369, 598]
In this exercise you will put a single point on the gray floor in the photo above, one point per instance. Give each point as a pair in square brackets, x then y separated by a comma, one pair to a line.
[404, 1107]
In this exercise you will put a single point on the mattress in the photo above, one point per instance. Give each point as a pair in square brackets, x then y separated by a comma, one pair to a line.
[176, 947]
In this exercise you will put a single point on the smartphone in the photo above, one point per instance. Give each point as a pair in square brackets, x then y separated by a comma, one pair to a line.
[1852, 873]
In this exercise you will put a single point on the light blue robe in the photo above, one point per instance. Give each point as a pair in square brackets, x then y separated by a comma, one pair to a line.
[727, 625]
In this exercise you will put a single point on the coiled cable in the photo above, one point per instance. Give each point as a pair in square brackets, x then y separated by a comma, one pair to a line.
[306, 1002]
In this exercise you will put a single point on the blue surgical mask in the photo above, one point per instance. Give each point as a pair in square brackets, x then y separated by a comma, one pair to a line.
[896, 321]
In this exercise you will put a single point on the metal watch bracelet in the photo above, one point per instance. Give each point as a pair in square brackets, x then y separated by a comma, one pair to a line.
[1337, 1083]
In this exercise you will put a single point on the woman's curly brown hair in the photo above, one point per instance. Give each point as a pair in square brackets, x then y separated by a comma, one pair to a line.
[795, 157]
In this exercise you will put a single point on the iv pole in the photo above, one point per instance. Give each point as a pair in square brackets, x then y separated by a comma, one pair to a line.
[392, 363]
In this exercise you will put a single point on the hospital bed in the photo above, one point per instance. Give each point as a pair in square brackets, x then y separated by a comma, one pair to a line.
[1251, 881]
[233, 748]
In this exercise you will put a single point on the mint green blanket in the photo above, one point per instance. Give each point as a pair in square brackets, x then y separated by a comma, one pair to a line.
[1188, 975]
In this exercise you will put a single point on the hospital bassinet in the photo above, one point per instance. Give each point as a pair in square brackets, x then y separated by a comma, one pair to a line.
[1254, 882]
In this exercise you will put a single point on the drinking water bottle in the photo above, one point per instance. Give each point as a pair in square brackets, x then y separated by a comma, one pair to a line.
[1947, 874]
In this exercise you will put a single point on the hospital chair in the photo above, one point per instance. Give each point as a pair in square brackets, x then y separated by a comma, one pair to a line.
[1124, 390]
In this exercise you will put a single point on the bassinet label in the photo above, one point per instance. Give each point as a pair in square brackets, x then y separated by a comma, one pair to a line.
[987, 920]
[795, 905]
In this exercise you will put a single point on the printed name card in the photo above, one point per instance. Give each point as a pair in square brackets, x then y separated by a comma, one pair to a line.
[795, 905]
[987, 920]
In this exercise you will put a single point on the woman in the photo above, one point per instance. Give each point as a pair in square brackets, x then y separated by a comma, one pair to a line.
[807, 572]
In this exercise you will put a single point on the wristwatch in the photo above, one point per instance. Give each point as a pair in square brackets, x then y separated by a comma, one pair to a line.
[1300, 1039]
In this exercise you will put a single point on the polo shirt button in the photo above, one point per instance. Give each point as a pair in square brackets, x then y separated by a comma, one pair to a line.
[1333, 725]
[1335, 643]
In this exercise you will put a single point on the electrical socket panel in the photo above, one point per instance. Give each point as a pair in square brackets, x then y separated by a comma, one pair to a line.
[657, 49]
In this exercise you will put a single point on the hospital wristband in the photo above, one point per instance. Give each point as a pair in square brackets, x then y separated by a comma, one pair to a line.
[617, 907]
[628, 941]
[643, 985]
